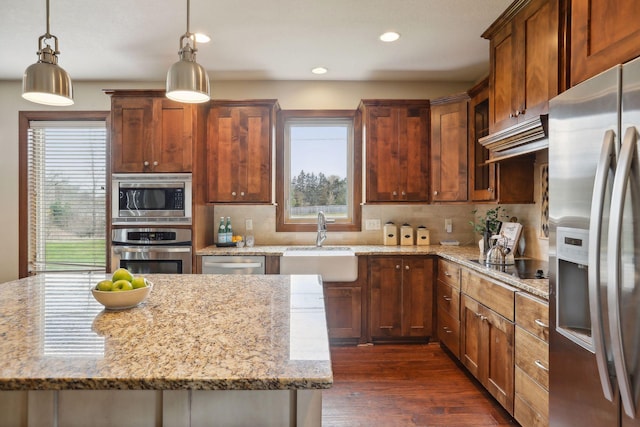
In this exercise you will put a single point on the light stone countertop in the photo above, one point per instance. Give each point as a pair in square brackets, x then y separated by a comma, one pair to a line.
[196, 332]
[459, 254]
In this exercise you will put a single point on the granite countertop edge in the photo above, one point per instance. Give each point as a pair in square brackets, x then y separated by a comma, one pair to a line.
[458, 254]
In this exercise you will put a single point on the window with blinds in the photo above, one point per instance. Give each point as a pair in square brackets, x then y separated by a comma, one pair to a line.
[66, 196]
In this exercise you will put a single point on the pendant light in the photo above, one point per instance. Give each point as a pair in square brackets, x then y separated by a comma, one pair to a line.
[45, 82]
[187, 81]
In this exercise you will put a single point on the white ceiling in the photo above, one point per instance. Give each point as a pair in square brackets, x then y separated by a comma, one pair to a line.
[138, 40]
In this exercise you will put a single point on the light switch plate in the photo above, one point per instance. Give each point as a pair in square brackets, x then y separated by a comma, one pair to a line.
[248, 224]
[372, 224]
[448, 225]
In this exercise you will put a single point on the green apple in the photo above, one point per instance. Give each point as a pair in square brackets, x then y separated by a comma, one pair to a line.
[104, 285]
[122, 274]
[122, 285]
[139, 282]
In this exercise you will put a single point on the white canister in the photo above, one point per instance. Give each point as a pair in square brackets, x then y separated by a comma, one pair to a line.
[423, 237]
[390, 237]
[406, 235]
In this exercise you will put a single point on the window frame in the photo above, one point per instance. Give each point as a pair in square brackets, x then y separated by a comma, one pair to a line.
[283, 117]
[24, 118]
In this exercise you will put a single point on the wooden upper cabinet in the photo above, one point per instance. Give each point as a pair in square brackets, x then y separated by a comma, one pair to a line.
[239, 151]
[397, 147]
[482, 175]
[603, 33]
[524, 64]
[150, 133]
[449, 149]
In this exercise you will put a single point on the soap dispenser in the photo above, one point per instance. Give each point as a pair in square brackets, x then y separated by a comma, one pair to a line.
[390, 237]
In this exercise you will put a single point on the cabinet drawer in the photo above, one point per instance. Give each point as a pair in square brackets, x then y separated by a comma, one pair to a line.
[532, 356]
[497, 296]
[448, 299]
[532, 314]
[531, 405]
[449, 273]
[449, 331]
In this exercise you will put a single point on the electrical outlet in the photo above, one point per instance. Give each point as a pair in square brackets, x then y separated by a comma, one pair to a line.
[372, 224]
[448, 225]
[248, 224]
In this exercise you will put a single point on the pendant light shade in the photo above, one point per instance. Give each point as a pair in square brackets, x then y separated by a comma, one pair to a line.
[187, 81]
[45, 82]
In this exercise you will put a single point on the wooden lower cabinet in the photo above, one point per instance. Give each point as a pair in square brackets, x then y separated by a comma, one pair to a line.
[487, 336]
[401, 298]
[531, 407]
[448, 305]
[344, 311]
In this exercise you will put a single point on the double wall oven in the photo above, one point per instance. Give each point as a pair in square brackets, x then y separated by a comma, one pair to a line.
[151, 219]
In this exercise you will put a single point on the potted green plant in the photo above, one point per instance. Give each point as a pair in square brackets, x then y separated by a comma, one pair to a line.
[488, 224]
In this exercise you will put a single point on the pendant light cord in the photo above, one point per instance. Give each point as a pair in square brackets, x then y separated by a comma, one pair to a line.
[188, 14]
[48, 34]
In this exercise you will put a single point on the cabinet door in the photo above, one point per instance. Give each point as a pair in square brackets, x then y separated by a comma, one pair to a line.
[344, 310]
[449, 152]
[471, 336]
[173, 136]
[386, 296]
[239, 154]
[131, 134]
[383, 167]
[537, 29]
[504, 76]
[413, 143]
[603, 33]
[482, 176]
[417, 296]
[498, 341]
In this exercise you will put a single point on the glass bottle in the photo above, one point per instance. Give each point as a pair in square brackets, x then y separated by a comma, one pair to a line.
[229, 230]
[222, 231]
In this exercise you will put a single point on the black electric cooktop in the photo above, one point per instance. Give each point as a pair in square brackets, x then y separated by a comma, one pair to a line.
[524, 268]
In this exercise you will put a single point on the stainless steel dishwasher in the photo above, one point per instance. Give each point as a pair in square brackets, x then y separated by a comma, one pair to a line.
[233, 264]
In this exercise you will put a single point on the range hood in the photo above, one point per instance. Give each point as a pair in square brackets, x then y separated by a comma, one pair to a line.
[523, 138]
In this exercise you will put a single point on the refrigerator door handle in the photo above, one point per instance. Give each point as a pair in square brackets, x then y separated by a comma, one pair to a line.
[605, 163]
[627, 154]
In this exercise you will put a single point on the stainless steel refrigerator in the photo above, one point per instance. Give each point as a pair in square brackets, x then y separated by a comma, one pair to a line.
[594, 251]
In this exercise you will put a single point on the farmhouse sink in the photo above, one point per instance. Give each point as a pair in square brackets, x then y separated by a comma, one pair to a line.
[334, 264]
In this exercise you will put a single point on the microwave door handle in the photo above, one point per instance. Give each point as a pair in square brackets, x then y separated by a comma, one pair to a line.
[620, 182]
[605, 164]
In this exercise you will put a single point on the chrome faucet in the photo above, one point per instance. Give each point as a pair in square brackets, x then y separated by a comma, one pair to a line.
[322, 229]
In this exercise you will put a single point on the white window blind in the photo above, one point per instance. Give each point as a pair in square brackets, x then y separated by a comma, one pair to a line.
[67, 193]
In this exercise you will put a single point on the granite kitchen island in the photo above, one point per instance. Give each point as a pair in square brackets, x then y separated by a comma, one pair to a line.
[201, 350]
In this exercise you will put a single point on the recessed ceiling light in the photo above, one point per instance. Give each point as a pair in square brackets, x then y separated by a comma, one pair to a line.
[319, 70]
[389, 36]
[202, 38]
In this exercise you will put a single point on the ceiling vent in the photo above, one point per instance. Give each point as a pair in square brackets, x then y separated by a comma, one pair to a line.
[523, 138]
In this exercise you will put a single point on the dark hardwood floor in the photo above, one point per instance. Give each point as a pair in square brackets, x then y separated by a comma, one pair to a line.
[405, 385]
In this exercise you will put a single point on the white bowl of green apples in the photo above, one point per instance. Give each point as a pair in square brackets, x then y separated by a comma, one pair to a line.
[122, 291]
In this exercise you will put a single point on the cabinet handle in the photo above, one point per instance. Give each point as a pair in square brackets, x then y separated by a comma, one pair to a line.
[404, 194]
[446, 298]
[511, 115]
[447, 330]
[395, 193]
[233, 193]
[541, 323]
[435, 193]
[446, 273]
[406, 267]
[397, 267]
[478, 315]
[242, 193]
[155, 163]
[484, 318]
[490, 190]
[540, 365]
[146, 163]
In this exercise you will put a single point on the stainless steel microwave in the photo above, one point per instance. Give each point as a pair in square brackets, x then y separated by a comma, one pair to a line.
[151, 198]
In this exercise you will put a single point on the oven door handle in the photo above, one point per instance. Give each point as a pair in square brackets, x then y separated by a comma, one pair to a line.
[144, 249]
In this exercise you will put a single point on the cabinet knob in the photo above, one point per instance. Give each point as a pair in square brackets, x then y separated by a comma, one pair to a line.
[406, 267]
[242, 193]
[146, 163]
[404, 193]
[435, 193]
[446, 298]
[233, 193]
[395, 193]
[478, 314]
[397, 267]
[490, 190]
[155, 163]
